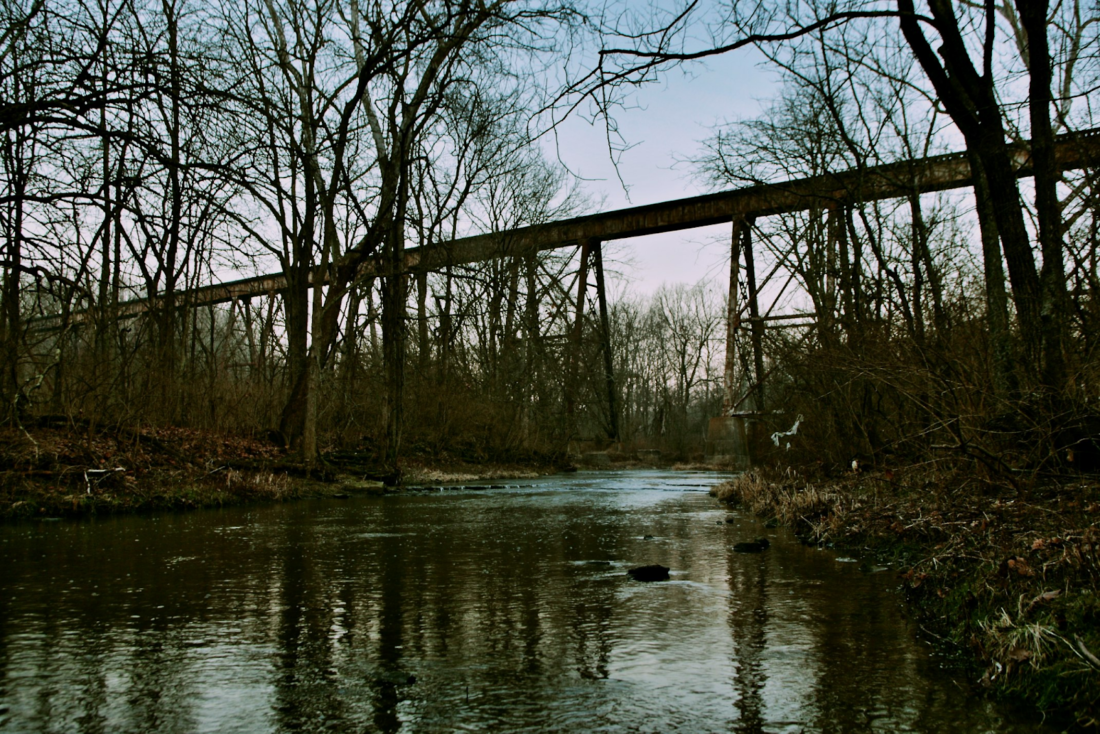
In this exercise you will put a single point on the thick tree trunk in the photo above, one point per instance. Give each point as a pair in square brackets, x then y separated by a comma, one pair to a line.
[996, 298]
[12, 318]
[296, 312]
[1052, 277]
[423, 346]
[1008, 212]
[393, 345]
[166, 317]
[924, 252]
[971, 100]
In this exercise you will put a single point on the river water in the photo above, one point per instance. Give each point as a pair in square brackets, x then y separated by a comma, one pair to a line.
[460, 610]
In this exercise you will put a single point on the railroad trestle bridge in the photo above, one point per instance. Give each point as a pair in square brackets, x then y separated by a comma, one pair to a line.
[746, 321]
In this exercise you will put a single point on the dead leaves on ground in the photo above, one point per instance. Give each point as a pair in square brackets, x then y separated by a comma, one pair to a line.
[1015, 564]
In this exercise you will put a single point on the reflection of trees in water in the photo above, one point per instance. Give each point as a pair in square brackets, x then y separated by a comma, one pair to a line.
[871, 676]
[106, 622]
[384, 687]
[477, 593]
[531, 659]
[854, 645]
[592, 599]
[159, 679]
[591, 619]
[93, 697]
[316, 616]
[748, 620]
[306, 687]
[860, 660]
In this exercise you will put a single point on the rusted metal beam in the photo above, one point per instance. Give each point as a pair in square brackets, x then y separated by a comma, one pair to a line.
[756, 325]
[730, 381]
[605, 344]
[573, 379]
[937, 173]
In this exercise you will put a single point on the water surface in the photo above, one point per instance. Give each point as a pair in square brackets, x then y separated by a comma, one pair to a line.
[502, 610]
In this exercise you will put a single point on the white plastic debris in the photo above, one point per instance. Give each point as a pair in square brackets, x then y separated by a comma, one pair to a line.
[783, 434]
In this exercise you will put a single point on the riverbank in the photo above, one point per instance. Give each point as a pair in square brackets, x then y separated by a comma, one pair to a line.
[1007, 578]
[68, 469]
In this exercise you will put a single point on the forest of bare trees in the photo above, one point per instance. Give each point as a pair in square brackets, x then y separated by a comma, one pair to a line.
[150, 147]
[950, 324]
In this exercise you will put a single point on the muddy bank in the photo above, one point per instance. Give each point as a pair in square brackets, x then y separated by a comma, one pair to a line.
[1007, 578]
[72, 470]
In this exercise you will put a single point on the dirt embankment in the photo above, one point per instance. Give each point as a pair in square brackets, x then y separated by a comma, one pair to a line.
[1007, 577]
[66, 469]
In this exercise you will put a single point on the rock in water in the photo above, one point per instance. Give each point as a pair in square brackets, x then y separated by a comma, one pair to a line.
[649, 573]
[753, 546]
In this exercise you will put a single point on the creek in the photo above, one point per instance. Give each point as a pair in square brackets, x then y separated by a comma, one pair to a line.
[459, 610]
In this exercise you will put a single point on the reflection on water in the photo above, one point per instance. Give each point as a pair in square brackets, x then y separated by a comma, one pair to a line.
[458, 611]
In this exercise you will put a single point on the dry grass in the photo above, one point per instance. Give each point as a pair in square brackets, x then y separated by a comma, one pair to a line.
[436, 476]
[1013, 581]
[805, 507]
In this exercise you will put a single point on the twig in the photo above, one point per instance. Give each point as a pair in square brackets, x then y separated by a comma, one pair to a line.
[1084, 653]
[1093, 660]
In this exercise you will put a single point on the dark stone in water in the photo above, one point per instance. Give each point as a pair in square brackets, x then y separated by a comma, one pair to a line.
[396, 678]
[647, 537]
[730, 519]
[598, 563]
[753, 546]
[341, 496]
[655, 572]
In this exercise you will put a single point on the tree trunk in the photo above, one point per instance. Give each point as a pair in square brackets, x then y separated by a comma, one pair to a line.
[996, 298]
[296, 312]
[1052, 277]
[971, 100]
[393, 344]
[423, 346]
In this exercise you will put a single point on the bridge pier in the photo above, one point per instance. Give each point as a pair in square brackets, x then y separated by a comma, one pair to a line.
[573, 377]
[592, 256]
[730, 381]
[728, 441]
[743, 385]
[728, 435]
[605, 344]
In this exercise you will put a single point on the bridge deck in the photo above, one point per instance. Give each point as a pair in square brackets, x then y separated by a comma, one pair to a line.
[937, 173]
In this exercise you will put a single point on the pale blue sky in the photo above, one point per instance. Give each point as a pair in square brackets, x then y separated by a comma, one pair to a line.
[668, 124]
